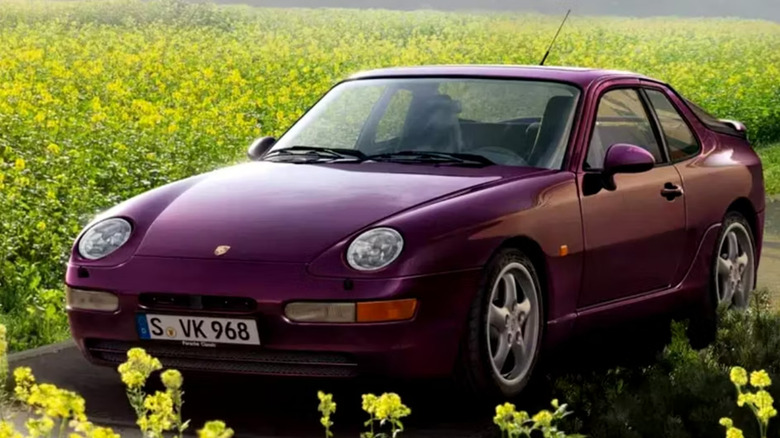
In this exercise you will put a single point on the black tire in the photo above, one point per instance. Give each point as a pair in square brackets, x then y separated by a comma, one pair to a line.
[474, 369]
[703, 325]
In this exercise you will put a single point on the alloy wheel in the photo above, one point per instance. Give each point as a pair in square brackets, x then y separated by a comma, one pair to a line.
[513, 323]
[735, 271]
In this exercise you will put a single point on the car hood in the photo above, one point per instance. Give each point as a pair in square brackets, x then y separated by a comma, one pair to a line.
[291, 213]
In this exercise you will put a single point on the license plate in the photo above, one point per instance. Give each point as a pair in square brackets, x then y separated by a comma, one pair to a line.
[197, 330]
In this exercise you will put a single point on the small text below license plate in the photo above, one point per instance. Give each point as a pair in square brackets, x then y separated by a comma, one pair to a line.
[198, 329]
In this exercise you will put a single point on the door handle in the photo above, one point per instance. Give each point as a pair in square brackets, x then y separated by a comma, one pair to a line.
[671, 191]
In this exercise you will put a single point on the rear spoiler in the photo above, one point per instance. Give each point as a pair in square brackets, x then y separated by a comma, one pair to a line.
[739, 128]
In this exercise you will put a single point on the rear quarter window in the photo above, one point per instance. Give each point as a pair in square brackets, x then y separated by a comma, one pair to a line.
[680, 140]
[711, 121]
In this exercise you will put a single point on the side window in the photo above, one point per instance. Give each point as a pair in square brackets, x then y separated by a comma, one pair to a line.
[621, 118]
[679, 138]
[392, 123]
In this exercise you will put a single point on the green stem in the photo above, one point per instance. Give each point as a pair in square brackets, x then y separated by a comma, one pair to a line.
[761, 431]
[62, 428]
[177, 403]
[3, 401]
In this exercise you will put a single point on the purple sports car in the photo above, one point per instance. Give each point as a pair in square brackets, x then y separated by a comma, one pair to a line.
[432, 221]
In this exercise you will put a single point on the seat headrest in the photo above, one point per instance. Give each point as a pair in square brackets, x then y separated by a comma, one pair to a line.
[441, 102]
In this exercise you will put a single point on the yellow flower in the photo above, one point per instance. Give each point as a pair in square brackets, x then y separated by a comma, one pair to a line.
[53, 148]
[103, 432]
[388, 406]
[133, 378]
[760, 379]
[733, 432]
[19, 164]
[138, 367]
[766, 414]
[7, 430]
[543, 418]
[41, 226]
[369, 403]
[55, 402]
[726, 422]
[744, 398]
[172, 379]
[40, 427]
[739, 376]
[161, 416]
[215, 429]
[24, 379]
[762, 399]
[505, 414]
[327, 406]
[764, 403]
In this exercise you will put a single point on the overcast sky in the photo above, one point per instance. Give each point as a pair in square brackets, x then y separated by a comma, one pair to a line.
[761, 9]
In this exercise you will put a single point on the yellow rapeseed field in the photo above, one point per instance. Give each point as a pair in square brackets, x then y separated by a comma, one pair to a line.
[102, 100]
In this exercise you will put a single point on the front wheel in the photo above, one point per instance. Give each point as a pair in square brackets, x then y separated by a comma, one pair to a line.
[505, 328]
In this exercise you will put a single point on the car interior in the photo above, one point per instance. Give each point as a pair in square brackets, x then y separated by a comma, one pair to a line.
[434, 124]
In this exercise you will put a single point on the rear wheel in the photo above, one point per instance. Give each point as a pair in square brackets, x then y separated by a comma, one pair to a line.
[734, 275]
[505, 328]
[732, 278]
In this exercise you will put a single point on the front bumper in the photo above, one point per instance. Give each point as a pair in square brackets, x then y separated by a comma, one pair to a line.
[425, 346]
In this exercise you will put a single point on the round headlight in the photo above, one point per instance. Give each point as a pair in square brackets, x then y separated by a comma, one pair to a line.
[104, 237]
[375, 249]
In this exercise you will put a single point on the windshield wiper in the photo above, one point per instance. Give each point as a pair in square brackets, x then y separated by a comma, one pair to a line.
[432, 157]
[317, 153]
[305, 154]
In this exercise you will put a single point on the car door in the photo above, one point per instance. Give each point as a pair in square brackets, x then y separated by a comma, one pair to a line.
[634, 235]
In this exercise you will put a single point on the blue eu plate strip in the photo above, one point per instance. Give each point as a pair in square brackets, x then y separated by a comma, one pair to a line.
[142, 326]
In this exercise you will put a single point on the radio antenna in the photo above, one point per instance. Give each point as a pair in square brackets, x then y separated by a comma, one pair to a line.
[555, 37]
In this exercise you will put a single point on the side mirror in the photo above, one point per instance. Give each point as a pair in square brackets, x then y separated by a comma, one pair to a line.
[259, 147]
[625, 158]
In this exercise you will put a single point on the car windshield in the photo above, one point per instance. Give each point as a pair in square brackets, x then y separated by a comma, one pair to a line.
[506, 122]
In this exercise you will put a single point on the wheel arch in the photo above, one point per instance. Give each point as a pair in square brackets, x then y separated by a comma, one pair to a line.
[534, 251]
[744, 207]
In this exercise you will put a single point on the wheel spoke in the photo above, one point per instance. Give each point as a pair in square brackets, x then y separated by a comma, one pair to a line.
[740, 294]
[510, 290]
[733, 245]
[743, 260]
[499, 359]
[520, 355]
[524, 307]
[727, 292]
[497, 316]
[724, 266]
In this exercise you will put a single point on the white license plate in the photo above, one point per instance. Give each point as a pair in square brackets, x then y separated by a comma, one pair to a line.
[198, 330]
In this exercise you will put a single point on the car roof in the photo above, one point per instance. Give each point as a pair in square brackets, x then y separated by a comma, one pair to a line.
[576, 75]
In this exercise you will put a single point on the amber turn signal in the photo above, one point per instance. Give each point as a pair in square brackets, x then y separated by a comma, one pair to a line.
[384, 311]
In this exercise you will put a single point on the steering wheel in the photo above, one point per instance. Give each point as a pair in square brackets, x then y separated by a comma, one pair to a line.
[500, 155]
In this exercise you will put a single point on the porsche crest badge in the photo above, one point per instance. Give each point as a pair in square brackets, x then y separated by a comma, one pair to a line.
[221, 250]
